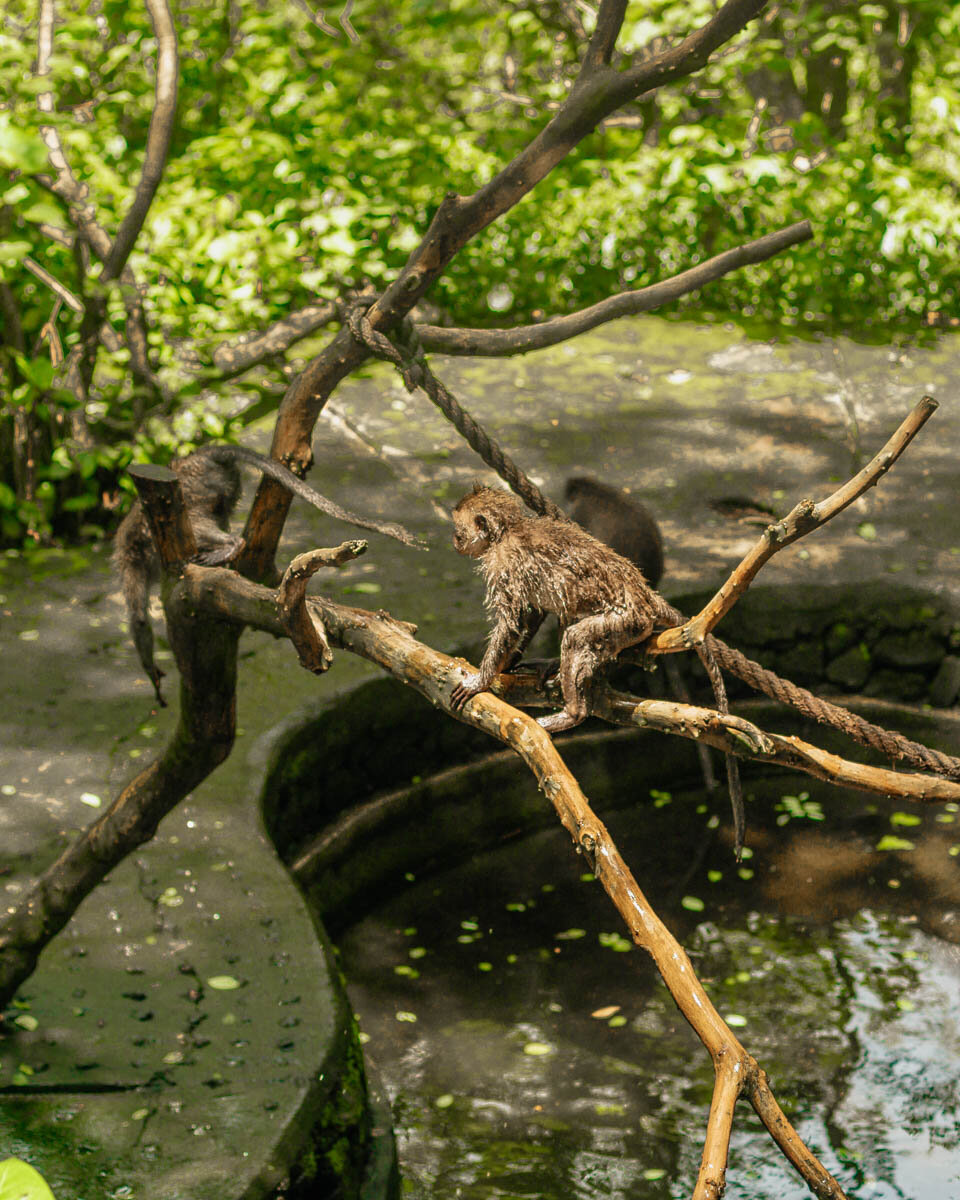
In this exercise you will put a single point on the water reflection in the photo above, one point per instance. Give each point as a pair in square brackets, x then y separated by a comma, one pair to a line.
[835, 957]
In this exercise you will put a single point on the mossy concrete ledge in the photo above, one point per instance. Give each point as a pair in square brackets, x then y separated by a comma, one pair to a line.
[187, 1035]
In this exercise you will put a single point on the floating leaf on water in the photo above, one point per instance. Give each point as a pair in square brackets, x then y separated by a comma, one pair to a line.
[616, 1022]
[364, 588]
[140, 1115]
[902, 818]
[538, 1049]
[601, 1014]
[409, 1017]
[714, 876]
[90, 798]
[8, 790]
[905, 1004]
[26, 1021]
[570, 935]
[652, 1173]
[735, 1020]
[614, 941]
[867, 531]
[417, 951]
[484, 966]
[408, 971]
[889, 842]
[693, 904]
[745, 873]
[443, 1101]
[223, 983]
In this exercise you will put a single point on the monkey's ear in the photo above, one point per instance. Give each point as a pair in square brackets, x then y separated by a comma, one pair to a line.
[483, 524]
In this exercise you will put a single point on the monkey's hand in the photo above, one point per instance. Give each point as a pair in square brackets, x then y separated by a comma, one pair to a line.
[471, 685]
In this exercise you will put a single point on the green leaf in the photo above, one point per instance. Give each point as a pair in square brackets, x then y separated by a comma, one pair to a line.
[223, 983]
[20, 1181]
[21, 149]
[889, 842]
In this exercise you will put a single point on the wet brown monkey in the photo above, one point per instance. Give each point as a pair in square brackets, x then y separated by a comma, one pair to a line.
[538, 565]
[533, 566]
[210, 481]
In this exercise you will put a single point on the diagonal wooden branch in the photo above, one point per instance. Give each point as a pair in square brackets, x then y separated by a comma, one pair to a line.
[523, 338]
[803, 519]
[389, 644]
[598, 93]
[159, 136]
[736, 735]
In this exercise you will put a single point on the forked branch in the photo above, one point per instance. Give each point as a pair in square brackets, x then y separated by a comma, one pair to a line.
[803, 519]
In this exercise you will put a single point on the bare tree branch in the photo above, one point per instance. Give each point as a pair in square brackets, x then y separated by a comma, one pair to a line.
[803, 519]
[158, 139]
[523, 338]
[305, 629]
[455, 222]
[68, 188]
[605, 34]
[53, 284]
[233, 358]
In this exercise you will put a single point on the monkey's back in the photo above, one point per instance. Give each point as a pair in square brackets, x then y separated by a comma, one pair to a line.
[618, 520]
[556, 567]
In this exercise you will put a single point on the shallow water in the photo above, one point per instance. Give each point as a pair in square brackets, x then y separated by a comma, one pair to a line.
[530, 1051]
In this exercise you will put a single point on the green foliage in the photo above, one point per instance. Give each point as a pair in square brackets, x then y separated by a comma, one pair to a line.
[305, 162]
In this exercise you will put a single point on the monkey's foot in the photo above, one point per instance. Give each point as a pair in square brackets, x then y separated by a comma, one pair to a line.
[557, 722]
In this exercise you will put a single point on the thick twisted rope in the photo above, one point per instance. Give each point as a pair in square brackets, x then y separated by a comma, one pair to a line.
[892, 745]
[407, 355]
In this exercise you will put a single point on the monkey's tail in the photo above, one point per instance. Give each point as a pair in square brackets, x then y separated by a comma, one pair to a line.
[280, 473]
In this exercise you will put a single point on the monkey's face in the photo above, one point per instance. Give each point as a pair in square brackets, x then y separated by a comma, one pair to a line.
[471, 533]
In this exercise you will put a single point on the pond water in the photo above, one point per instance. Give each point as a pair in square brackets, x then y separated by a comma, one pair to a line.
[531, 1051]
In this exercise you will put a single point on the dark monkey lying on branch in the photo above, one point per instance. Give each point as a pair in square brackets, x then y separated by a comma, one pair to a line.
[211, 486]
